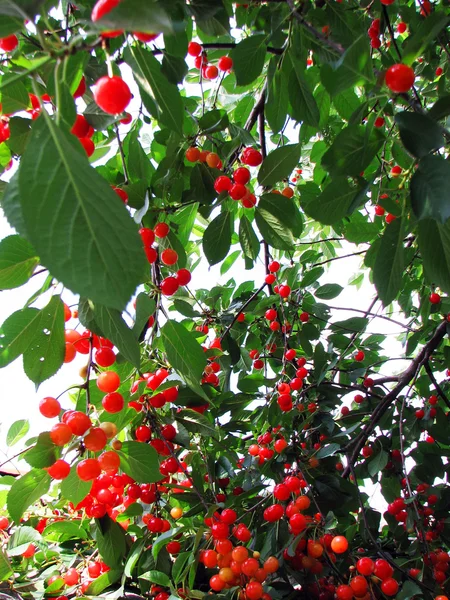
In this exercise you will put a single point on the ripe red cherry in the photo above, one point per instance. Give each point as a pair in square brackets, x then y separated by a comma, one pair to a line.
[382, 569]
[281, 492]
[9, 43]
[284, 291]
[169, 286]
[49, 407]
[101, 8]
[344, 592]
[365, 566]
[194, 49]
[237, 191]
[400, 78]
[271, 314]
[4, 523]
[168, 432]
[211, 72]
[274, 266]
[95, 440]
[222, 184]
[80, 127]
[401, 27]
[183, 276]
[434, 298]
[145, 37]
[220, 531]
[389, 587]
[88, 145]
[88, 469]
[254, 590]
[359, 356]
[147, 236]
[161, 230]
[339, 544]
[122, 194]
[108, 381]
[225, 63]
[105, 357]
[169, 256]
[273, 513]
[228, 516]
[78, 422]
[252, 157]
[379, 122]
[59, 470]
[241, 175]
[143, 433]
[379, 210]
[60, 434]
[297, 523]
[173, 547]
[113, 402]
[71, 577]
[290, 354]
[112, 94]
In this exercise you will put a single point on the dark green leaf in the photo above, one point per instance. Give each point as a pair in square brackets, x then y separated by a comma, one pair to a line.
[139, 461]
[434, 245]
[174, 68]
[353, 150]
[105, 580]
[43, 453]
[17, 333]
[156, 577]
[279, 164]
[328, 450]
[13, 95]
[271, 223]
[426, 30]
[196, 423]
[45, 355]
[248, 239]
[22, 9]
[165, 95]
[214, 120]
[211, 16]
[217, 238]
[5, 566]
[111, 542]
[303, 105]
[419, 133]
[135, 15]
[430, 189]
[185, 354]
[145, 307]
[78, 214]
[328, 291]
[64, 530]
[248, 58]
[440, 109]
[26, 490]
[354, 68]
[378, 462]
[20, 132]
[21, 539]
[115, 329]
[332, 204]
[390, 262]
[277, 102]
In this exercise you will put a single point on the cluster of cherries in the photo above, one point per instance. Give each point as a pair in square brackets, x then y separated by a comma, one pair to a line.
[208, 71]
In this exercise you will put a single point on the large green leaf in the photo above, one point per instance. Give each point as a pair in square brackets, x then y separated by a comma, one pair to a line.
[165, 95]
[430, 189]
[217, 238]
[139, 461]
[248, 239]
[73, 488]
[332, 204]
[185, 354]
[111, 541]
[43, 453]
[303, 105]
[115, 329]
[5, 566]
[420, 134]
[135, 15]
[13, 95]
[390, 262]
[145, 307]
[16, 432]
[354, 68]
[434, 245]
[277, 101]
[45, 355]
[211, 16]
[248, 58]
[353, 150]
[80, 228]
[25, 491]
[273, 223]
[20, 130]
[279, 164]
[426, 30]
[17, 262]
[17, 333]
[21, 9]
[21, 539]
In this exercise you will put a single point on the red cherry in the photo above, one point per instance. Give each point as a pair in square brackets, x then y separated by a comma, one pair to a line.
[161, 230]
[112, 94]
[274, 266]
[169, 256]
[80, 127]
[88, 145]
[147, 236]
[122, 194]
[9, 43]
[169, 286]
[382, 569]
[211, 72]
[145, 37]
[439, 71]
[49, 407]
[252, 157]
[241, 175]
[59, 470]
[222, 184]
[113, 402]
[105, 357]
[401, 27]
[194, 49]
[88, 469]
[78, 422]
[108, 381]
[379, 122]
[400, 78]
[379, 210]
[237, 191]
[225, 63]
[4, 523]
[101, 8]
[434, 298]
[365, 566]
[359, 356]
[183, 276]
[390, 587]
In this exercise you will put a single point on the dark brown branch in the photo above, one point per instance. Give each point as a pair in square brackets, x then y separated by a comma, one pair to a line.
[313, 31]
[122, 154]
[404, 379]
[437, 387]
[252, 297]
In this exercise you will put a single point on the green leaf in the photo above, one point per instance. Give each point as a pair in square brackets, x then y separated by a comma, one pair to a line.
[217, 238]
[430, 189]
[21, 539]
[434, 246]
[145, 308]
[353, 69]
[17, 333]
[13, 95]
[184, 354]
[43, 453]
[5, 566]
[22, 9]
[303, 105]
[328, 291]
[390, 262]
[25, 491]
[139, 461]
[174, 68]
[419, 133]
[97, 118]
[156, 577]
[408, 590]
[248, 239]
[332, 204]
[329, 450]
[16, 432]
[277, 102]
[425, 31]
[271, 221]
[45, 355]
[105, 580]
[378, 462]
[440, 109]
[211, 16]
[9, 25]
[20, 130]
[78, 215]
[111, 541]
[165, 95]
[353, 150]
[135, 15]
[133, 557]
[196, 423]
[279, 164]
[11, 205]
[248, 58]
[62, 531]
[115, 329]
[73, 488]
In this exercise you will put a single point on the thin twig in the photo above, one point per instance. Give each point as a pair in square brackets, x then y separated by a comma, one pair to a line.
[122, 154]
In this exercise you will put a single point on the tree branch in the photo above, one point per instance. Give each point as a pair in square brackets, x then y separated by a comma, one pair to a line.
[313, 31]
[404, 379]
[437, 387]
